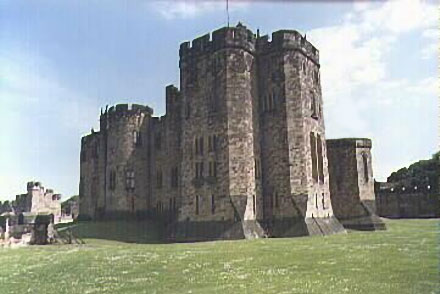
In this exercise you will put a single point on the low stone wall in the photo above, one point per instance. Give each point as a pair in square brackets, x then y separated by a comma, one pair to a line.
[408, 203]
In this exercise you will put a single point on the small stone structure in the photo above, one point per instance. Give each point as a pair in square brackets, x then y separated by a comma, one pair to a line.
[240, 152]
[352, 183]
[37, 200]
[24, 229]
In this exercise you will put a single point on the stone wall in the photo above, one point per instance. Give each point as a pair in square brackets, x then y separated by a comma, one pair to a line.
[37, 200]
[407, 201]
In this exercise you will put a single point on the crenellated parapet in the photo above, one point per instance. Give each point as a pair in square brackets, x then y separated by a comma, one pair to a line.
[226, 37]
[287, 40]
[123, 111]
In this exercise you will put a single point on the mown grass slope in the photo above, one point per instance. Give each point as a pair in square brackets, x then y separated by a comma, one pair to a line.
[403, 259]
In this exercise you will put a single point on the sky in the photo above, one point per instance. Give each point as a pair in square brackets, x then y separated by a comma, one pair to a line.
[61, 61]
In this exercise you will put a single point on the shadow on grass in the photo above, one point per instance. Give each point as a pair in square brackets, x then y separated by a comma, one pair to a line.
[142, 232]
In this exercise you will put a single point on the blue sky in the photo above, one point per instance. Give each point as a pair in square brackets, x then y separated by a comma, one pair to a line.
[60, 61]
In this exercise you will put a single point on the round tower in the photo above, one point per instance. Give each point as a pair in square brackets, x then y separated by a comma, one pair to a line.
[217, 85]
[125, 130]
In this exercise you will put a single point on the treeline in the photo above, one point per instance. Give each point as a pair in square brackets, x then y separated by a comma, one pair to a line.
[421, 173]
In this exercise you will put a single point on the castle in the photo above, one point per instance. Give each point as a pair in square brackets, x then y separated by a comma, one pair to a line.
[37, 200]
[240, 152]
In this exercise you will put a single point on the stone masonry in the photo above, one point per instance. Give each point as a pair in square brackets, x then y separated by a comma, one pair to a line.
[37, 200]
[240, 153]
[352, 183]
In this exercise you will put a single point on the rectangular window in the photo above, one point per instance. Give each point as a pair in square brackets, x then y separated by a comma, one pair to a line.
[257, 168]
[212, 141]
[174, 177]
[112, 180]
[313, 155]
[313, 106]
[129, 180]
[212, 204]
[210, 149]
[213, 169]
[197, 205]
[199, 170]
[201, 145]
[320, 159]
[137, 138]
[196, 146]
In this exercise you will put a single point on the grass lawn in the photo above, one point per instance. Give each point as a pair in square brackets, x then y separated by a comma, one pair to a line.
[403, 259]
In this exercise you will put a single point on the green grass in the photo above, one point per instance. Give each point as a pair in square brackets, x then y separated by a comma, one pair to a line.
[403, 259]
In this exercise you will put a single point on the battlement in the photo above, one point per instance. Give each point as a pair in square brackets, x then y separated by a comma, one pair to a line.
[287, 40]
[34, 185]
[172, 95]
[226, 37]
[349, 142]
[119, 110]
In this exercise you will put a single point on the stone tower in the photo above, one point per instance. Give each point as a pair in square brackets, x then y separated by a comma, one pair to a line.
[294, 161]
[218, 85]
[352, 183]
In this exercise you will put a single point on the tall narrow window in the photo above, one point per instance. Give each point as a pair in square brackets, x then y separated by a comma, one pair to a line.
[257, 168]
[199, 170]
[212, 143]
[174, 177]
[313, 155]
[196, 146]
[112, 180]
[197, 205]
[137, 138]
[323, 201]
[212, 204]
[313, 105]
[365, 162]
[213, 169]
[320, 159]
[201, 145]
[129, 180]
[316, 201]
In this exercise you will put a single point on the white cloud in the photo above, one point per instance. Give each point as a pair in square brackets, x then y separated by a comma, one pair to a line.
[431, 49]
[400, 16]
[191, 8]
[358, 83]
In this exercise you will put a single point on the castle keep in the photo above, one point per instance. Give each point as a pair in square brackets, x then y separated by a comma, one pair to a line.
[240, 152]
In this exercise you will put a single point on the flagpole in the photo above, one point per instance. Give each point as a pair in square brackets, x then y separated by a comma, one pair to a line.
[227, 10]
